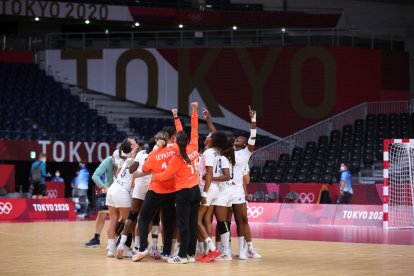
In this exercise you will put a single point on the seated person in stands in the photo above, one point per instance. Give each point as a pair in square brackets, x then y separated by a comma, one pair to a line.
[57, 177]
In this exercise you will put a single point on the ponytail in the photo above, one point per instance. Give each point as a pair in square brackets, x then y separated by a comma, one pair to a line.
[160, 143]
[182, 141]
[183, 152]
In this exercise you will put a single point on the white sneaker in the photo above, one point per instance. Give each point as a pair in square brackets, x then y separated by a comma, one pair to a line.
[155, 254]
[128, 252]
[135, 250]
[177, 260]
[242, 255]
[140, 255]
[120, 251]
[253, 254]
[111, 253]
[191, 259]
[224, 258]
[165, 258]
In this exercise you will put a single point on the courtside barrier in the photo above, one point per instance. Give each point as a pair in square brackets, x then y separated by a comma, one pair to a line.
[36, 209]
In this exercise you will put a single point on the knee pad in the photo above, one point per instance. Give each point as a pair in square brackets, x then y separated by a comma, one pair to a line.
[132, 215]
[223, 227]
[119, 227]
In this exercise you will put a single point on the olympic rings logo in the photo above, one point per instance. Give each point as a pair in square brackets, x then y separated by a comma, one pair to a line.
[52, 193]
[5, 208]
[306, 198]
[254, 212]
[195, 16]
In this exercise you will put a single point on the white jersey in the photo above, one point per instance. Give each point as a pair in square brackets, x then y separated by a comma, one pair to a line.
[242, 160]
[118, 160]
[140, 158]
[124, 178]
[207, 160]
[220, 163]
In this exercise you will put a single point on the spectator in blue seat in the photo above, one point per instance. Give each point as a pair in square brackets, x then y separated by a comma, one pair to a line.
[57, 177]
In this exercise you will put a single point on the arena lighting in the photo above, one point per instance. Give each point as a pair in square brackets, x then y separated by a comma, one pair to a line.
[181, 26]
[234, 27]
[87, 21]
[136, 24]
[283, 30]
[32, 155]
[37, 18]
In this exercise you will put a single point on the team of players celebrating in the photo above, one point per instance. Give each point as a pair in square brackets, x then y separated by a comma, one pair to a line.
[172, 180]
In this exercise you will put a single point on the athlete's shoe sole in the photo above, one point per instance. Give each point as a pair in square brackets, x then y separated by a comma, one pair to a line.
[140, 255]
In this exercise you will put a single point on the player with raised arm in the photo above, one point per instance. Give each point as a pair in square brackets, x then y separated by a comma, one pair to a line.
[243, 150]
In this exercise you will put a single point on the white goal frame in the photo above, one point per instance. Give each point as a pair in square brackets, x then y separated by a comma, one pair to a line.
[387, 188]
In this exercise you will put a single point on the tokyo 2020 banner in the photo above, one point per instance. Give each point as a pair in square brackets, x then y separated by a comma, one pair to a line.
[32, 209]
[56, 151]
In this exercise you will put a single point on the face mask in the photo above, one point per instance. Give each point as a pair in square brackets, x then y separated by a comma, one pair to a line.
[342, 168]
[57, 174]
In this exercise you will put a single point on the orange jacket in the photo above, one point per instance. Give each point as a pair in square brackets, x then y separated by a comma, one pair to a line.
[186, 176]
[157, 161]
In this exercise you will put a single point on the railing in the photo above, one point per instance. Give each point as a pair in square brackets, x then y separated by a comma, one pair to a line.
[207, 39]
[312, 133]
[220, 38]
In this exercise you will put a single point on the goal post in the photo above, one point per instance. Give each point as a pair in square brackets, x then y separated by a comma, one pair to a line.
[398, 188]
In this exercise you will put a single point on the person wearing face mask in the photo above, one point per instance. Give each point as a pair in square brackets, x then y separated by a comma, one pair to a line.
[57, 177]
[82, 183]
[345, 185]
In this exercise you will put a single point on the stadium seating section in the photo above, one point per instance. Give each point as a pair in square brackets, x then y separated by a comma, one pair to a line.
[35, 107]
[360, 144]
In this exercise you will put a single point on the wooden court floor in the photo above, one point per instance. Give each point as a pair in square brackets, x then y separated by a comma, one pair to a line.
[56, 248]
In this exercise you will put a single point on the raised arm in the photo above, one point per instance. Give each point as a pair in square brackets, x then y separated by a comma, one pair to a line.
[210, 125]
[177, 122]
[252, 139]
[194, 126]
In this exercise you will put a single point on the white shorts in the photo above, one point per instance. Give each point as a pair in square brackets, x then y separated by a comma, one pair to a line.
[140, 189]
[225, 197]
[212, 194]
[238, 195]
[118, 198]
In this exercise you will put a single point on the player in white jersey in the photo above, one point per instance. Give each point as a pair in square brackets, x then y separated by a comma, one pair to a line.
[243, 150]
[138, 196]
[222, 175]
[118, 157]
[118, 197]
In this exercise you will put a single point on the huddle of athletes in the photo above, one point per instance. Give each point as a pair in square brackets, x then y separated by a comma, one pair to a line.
[172, 180]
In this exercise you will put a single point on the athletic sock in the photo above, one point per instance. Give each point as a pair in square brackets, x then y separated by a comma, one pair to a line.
[210, 244]
[154, 243]
[241, 243]
[218, 244]
[249, 245]
[225, 243]
[123, 240]
[201, 247]
[111, 244]
[136, 241]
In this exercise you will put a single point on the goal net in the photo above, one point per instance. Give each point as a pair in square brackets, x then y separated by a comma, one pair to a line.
[398, 183]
